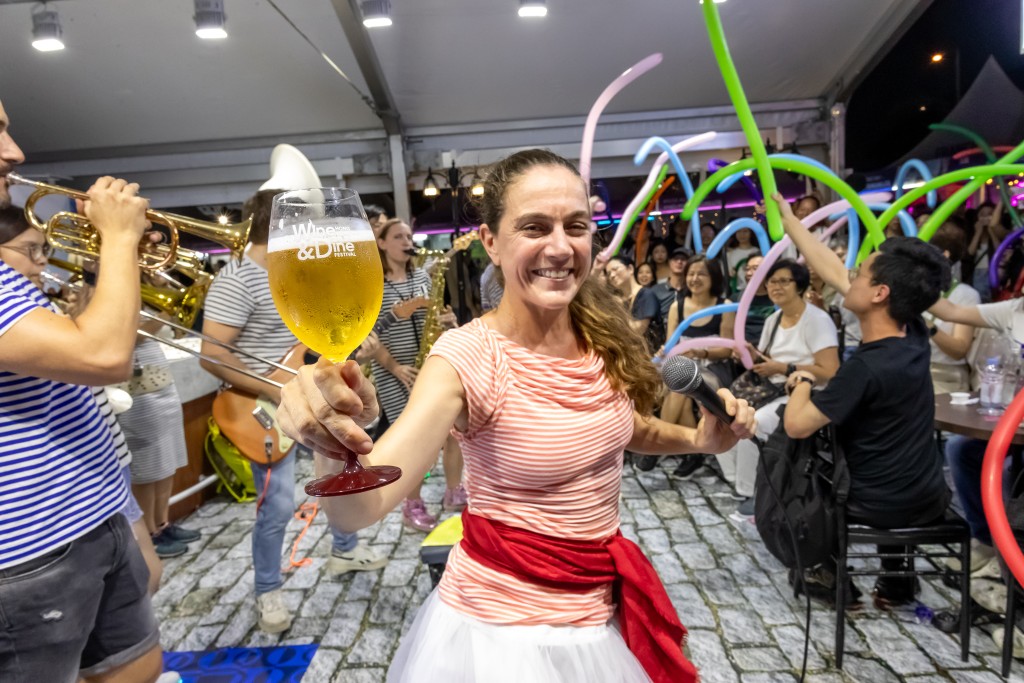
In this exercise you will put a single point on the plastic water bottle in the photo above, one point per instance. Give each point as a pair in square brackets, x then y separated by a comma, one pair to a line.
[991, 390]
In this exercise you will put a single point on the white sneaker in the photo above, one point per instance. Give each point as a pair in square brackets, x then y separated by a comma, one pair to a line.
[362, 558]
[274, 614]
[169, 677]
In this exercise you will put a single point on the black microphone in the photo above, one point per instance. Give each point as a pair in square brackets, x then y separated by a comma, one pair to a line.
[682, 376]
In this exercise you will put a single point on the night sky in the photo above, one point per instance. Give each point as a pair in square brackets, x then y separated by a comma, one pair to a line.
[884, 117]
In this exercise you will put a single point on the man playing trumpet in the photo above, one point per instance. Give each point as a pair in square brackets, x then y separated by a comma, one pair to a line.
[72, 580]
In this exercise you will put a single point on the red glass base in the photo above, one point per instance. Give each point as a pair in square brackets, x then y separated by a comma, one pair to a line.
[346, 483]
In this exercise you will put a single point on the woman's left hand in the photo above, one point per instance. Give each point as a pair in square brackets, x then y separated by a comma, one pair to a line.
[769, 368]
[448, 319]
[715, 436]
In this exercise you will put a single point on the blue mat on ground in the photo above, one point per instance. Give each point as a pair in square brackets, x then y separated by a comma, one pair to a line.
[242, 664]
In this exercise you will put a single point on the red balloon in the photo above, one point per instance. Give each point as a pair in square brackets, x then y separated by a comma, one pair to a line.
[992, 486]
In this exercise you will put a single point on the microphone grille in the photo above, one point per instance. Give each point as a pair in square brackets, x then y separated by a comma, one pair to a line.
[680, 374]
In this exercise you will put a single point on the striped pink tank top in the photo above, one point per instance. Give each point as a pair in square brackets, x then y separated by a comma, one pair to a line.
[543, 451]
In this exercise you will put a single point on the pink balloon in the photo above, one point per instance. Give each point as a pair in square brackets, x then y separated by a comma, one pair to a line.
[641, 197]
[628, 76]
[702, 343]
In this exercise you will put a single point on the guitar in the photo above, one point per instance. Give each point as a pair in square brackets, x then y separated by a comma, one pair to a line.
[251, 425]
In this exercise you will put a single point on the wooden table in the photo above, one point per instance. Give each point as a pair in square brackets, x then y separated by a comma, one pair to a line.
[966, 420]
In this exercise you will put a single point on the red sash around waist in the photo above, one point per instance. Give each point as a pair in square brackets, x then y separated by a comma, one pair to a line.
[647, 619]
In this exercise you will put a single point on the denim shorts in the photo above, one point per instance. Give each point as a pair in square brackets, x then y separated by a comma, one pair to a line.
[81, 610]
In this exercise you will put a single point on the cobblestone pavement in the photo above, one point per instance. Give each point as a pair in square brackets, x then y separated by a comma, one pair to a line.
[732, 595]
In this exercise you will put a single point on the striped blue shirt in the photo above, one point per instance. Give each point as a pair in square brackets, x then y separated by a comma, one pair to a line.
[59, 475]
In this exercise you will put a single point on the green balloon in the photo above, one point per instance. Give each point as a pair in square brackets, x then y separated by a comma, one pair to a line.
[979, 174]
[867, 218]
[746, 117]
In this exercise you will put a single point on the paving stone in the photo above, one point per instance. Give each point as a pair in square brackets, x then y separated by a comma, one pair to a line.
[690, 606]
[399, 572]
[768, 677]
[390, 605]
[346, 624]
[325, 663]
[362, 585]
[361, 676]
[174, 630]
[720, 537]
[669, 568]
[742, 626]
[682, 531]
[773, 608]
[704, 516]
[645, 518]
[199, 638]
[241, 623]
[321, 601]
[654, 541]
[791, 642]
[695, 555]
[720, 586]
[708, 654]
[667, 504]
[374, 646]
[759, 659]
[224, 574]
[746, 571]
[197, 603]
[867, 670]
[312, 627]
[218, 614]
[981, 676]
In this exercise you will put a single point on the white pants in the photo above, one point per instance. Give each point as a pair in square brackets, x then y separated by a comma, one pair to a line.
[739, 463]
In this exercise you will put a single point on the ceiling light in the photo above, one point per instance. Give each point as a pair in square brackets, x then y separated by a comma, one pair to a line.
[477, 188]
[938, 57]
[209, 19]
[717, 2]
[923, 108]
[430, 185]
[46, 31]
[533, 8]
[376, 13]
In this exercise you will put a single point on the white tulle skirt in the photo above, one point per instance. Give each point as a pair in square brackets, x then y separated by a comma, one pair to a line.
[444, 645]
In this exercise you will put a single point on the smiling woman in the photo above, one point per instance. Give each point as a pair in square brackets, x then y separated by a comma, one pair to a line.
[544, 393]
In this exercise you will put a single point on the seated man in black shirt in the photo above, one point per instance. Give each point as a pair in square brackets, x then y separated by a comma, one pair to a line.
[881, 400]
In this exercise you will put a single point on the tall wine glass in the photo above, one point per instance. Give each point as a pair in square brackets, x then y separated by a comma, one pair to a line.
[328, 284]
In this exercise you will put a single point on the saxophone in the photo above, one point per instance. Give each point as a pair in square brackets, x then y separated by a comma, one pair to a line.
[432, 327]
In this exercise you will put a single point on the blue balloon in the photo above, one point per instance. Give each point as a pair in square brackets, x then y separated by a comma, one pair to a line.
[704, 313]
[922, 170]
[684, 178]
[735, 226]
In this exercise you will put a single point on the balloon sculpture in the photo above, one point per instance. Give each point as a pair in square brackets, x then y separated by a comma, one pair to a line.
[865, 228]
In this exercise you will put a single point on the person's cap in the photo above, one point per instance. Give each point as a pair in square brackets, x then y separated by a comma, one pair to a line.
[680, 252]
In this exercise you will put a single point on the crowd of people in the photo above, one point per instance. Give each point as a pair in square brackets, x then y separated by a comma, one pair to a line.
[535, 407]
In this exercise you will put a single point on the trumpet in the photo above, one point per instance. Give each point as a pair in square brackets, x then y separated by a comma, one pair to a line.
[73, 233]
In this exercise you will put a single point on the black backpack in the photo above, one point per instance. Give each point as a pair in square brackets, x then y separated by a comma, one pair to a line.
[800, 485]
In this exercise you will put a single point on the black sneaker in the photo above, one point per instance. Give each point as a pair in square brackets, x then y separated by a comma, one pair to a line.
[894, 591]
[819, 584]
[645, 463]
[182, 535]
[167, 547]
[688, 466]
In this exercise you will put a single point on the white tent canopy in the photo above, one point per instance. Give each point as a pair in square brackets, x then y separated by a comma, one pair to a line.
[136, 93]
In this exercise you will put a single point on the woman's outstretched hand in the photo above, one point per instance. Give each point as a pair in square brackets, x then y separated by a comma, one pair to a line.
[715, 436]
[327, 406]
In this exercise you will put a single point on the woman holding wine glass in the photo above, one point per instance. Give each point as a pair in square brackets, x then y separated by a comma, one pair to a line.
[544, 393]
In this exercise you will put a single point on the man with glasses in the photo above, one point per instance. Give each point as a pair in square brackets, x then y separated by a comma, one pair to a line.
[881, 399]
[73, 584]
